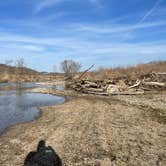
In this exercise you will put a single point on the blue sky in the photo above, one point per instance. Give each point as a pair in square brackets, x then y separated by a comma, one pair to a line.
[106, 33]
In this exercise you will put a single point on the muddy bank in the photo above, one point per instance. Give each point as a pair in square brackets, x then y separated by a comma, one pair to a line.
[91, 131]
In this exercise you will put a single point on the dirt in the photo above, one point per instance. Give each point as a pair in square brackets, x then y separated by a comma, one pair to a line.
[94, 131]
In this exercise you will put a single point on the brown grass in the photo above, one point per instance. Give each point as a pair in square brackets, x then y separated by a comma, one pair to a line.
[132, 72]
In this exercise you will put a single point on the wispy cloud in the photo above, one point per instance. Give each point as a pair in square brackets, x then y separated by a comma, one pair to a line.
[77, 45]
[22, 46]
[85, 51]
[160, 11]
[150, 11]
[140, 22]
[117, 29]
[45, 4]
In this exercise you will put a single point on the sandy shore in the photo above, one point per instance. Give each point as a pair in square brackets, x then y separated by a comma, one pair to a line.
[93, 131]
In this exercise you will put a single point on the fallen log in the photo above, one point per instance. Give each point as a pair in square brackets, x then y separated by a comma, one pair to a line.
[160, 73]
[127, 93]
[154, 84]
[97, 93]
[93, 89]
[135, 85]
[145, 89]
[112, 89]
[90, 84]
[119, 93]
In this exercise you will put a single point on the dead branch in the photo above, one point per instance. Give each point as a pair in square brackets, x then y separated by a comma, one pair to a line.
[85, 71]
[93, 89]
[135, 85]
[97, 93]
[90, 84]
[127, 93]
[160, 73]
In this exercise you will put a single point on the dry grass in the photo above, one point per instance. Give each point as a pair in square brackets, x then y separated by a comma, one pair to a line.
[132, 72]
[90, 131]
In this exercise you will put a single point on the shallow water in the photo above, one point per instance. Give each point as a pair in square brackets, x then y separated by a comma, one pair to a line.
[23, 85]
[19, 106]
[32, 85]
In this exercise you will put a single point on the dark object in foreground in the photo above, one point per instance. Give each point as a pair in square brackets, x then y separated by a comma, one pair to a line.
[44, 156]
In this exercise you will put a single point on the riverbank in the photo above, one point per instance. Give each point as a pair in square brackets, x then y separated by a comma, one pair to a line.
[94, 131]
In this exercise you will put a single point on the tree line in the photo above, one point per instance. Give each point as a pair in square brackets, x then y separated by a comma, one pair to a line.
[68, 67]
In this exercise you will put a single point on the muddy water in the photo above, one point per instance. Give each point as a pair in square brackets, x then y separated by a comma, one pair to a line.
[19, 106]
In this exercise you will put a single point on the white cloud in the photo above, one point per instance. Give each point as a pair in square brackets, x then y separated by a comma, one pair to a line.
[77, 46]
[20, 46]
[85, 51]
[118, 28]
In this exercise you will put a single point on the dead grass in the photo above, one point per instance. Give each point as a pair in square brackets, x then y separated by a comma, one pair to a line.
[132, 72]
[91, 131]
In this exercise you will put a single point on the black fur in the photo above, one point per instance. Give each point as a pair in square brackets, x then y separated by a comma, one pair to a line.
[44, 156]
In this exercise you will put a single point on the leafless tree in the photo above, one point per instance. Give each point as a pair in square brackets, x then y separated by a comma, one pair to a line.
[20, 65]
[70, 67]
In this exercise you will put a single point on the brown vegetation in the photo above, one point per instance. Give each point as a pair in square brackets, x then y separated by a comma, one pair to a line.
[24, 74]
[12, 69]
[70, 68]
[90, 131]
[132, 72]
[106, 130]
[125, 81]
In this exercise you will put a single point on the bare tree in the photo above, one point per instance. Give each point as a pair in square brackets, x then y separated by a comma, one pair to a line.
[70, 67]
[20, 65]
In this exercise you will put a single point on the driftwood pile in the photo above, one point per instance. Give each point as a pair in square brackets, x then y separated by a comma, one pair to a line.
[124, 86]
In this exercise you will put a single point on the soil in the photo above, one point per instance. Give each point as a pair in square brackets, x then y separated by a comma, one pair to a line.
[95, 131]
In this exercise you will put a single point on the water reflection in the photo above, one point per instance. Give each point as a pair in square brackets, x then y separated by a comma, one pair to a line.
[23, 85]
[18, 106]
[58, 87]
[18, 85]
